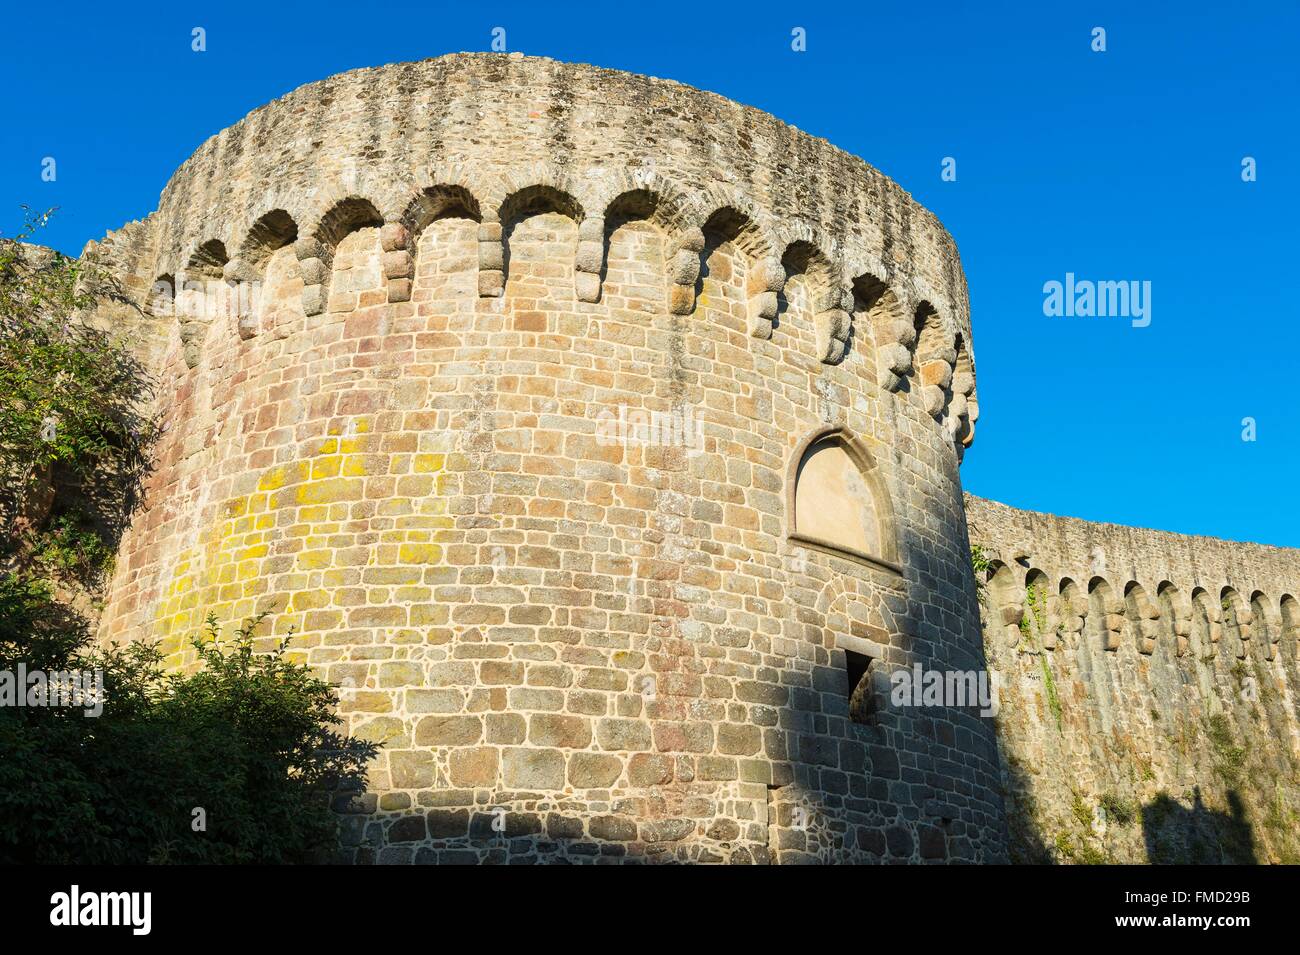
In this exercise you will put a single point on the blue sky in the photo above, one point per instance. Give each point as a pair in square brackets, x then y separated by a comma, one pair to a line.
[1122, 165]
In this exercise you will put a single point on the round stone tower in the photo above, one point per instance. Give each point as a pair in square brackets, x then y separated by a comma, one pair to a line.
[599, 438]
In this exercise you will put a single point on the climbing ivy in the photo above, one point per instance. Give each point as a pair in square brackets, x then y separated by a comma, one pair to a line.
[979, 565]
[1035, 617]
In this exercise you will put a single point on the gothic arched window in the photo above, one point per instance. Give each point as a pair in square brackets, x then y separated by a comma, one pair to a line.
[838, 500]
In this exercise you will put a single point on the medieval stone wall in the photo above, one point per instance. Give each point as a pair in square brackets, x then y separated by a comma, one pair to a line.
[572, 646]
[1149, 685]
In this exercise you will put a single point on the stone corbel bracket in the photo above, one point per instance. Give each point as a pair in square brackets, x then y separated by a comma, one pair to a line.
[1112, 623]
[834, 326]
[491, 257]
[1148, 626]
[1182, 626]
[315, 261]
[242, 278]
[765, 284]
[684, 272]
[590, 259]
[398, 263]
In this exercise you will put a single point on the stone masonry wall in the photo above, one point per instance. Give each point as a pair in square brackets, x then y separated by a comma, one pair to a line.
[569, 648]
[1149, 690]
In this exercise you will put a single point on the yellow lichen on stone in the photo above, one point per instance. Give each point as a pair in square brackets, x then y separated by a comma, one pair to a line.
[419, 554]
[226, 573]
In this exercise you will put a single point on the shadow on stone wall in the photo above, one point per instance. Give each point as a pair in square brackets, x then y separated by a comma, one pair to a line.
[478, 836]
[1026, 844]
[1197, 835]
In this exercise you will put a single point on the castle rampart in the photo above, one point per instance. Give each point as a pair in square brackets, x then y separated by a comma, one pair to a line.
[1148, 674]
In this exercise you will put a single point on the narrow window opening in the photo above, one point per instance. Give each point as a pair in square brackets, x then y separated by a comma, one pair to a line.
[862, 702]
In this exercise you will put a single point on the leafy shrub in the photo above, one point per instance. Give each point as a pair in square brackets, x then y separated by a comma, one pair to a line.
[1119, 810]
[247, 739]
[74, 432]
[979, 565]
[234, 762]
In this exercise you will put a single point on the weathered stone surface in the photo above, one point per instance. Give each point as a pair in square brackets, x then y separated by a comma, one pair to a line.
[622, 734]
[448, 823]
[612, 828]
[407, 829]
[532, 768]
[593, 770]
[474, 767]
[510, 442]
[448, 730]
[411, 769]
[549, 729]
[646, 769]
[1155, 725]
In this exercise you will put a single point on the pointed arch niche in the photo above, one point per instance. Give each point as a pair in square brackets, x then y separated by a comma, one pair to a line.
[837, 500]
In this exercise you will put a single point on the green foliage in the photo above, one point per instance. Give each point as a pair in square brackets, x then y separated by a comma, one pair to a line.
[1049, 688]
[1036, 604]
[1082, 814]
[1119, 810]
[73, 435]
[1064, 844]
[1081, 853]
[70, 547]
[1066, 611]
[1231, 757]
[1090, 855]
[1034, 621]
[979, 564]
[237, 761]
[247, 738]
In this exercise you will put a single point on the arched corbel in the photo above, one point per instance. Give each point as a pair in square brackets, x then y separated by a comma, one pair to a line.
[766, 280]
[314, 263]
[1074, 616]
[894, 335]
[1112, 622]
[1245, 618]
[398, 263]
[1011, 610]
[242, 280]
[1267, 626]
[684, 271]
[1148, 625]
[895, 360]
[1052, 622]
[935, 375]
[590, 259]
[833, 325]
[1182, 625]
[491, 257]
[961, 406]
[1213, 626]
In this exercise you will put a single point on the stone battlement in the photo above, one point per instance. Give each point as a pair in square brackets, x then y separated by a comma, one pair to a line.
[1147, 670]
[1148, 585]
[495, 138]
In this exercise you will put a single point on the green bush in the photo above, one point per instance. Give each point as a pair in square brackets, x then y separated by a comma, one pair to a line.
[234, 762]
[246, 739]
[75, 429]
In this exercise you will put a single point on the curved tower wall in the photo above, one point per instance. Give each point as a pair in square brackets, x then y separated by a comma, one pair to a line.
[508, 434]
